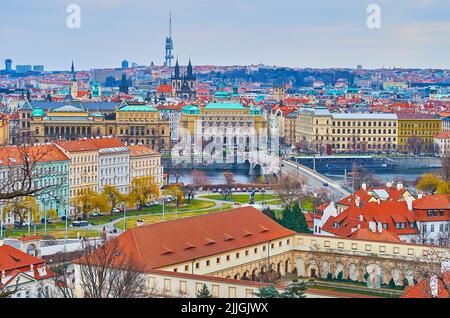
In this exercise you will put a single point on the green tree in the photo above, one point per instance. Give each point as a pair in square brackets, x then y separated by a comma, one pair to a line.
[268, 292]
[294, 219]
[270, 213]
[113, 196]
[204, 292]
[295, 290]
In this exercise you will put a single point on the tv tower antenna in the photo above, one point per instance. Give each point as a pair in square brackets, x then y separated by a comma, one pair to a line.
[169, 45]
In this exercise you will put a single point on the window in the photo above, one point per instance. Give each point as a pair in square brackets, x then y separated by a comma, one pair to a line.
[237, 255]
[228, 257]
[207, 263]
[218, 260]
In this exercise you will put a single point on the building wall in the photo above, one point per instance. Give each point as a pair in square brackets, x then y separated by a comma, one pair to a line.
[422, 130]
[147, 165]
[114, 169]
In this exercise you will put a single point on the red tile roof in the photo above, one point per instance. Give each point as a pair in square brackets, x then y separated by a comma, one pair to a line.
[91, 144]
[443, 135]
[12, 155]
[432, 202]
[423, 289]
[368, 235]
[164, 89]
[385, 212]
[137, 151]
[173, 242]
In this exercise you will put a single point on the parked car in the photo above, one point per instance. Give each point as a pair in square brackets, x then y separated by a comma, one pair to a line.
[116, 210]
[63, 218]
[325, 184]
[80, 223]
[18, 225]
[97, 214]
[49, 221]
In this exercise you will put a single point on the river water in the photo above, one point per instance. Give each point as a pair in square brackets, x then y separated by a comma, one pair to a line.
[242, 176]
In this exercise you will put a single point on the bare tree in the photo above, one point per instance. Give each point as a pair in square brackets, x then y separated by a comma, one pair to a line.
[290, 190]
[106, 271]
[21, 166]
[199, 179]
[446, 166]
[433, 266]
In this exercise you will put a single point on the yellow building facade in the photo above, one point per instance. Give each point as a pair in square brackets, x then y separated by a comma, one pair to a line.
[133, 123]
[319, 130]
[417, 130]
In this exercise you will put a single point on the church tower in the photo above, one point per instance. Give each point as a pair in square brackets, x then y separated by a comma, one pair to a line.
[74, 85]
[190, 78]
[176, 80]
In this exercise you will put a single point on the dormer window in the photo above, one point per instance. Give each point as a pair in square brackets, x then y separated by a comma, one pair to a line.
[336, 225]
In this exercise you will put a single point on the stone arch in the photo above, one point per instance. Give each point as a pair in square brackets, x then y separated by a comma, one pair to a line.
[254, 276]
[339, 268]
[353, 272]
[326, 268]
[300, 266]
[375, 275]
[313, 269]
[395, 275]
[237, 276]
[246, 275]
[287, 267]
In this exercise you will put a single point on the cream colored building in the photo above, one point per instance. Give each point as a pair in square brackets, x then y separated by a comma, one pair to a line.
[361, 132]
[145, 162]
[83, 172]
[233, 252]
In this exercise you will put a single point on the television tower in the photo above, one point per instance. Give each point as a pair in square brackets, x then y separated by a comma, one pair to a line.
[169, 45]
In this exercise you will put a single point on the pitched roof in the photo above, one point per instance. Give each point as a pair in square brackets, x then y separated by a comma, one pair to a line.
[173, 242]
[91, 144]
[12, 258]
[137, 151]
[366, 234]
[423, 289]
[13, 155]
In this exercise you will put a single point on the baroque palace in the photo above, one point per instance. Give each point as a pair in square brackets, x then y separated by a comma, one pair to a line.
[132, 122]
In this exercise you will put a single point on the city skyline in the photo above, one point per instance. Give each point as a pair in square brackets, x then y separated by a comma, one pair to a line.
[317, 35]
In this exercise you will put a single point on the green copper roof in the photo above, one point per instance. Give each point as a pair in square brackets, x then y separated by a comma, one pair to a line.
[137, 108]
[222, 94]
[190, 109]
[227, 106]
[38, 112]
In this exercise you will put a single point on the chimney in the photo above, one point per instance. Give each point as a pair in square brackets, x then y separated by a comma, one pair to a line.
[361, 218]
[380, 228]
[364, 186]
[358, 201]
[420, 196]
[399, 186]
[2, 241]
[379, 201]
[409, 202]
[373, 227]
[389, 185]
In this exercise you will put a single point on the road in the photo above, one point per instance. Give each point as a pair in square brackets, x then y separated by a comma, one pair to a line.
[314, 179]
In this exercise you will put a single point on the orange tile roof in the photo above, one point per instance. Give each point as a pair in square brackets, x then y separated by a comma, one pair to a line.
[366, 234]
[42, 153]
[137, 151]
[443, 135]
[423, 289]
[385, 212]
[164, 89]
[173, 242]
[91, 144]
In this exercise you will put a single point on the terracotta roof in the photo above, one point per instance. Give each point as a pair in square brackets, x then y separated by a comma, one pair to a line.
[137, 151]
[366, 234]
[11, 259]
[164, 89]
[91, 144]
[173, 242]
[12, 155]
[423, 290]
[443, 135]
[432, 202]
[385, 212]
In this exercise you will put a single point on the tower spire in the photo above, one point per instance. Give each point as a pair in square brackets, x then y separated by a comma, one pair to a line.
[169, 44]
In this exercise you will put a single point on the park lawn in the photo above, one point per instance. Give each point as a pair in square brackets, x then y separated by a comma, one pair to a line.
[194, 205]
[57, 234]
[241, 198]
[150, 219]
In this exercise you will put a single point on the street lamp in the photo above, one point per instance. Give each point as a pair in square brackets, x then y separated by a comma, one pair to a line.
[124, 217]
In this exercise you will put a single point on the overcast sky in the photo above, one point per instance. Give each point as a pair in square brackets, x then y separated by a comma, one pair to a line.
[300, 33]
